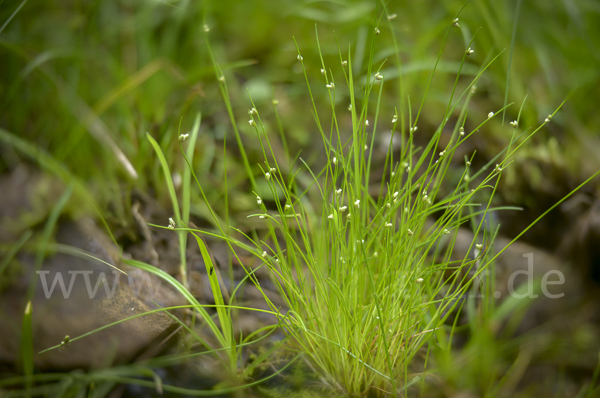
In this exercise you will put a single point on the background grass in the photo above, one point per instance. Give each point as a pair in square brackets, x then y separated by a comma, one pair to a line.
[85, 81]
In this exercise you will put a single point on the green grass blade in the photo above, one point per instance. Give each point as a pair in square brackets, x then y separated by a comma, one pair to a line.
[178, 221]
[14, 249]
[184, 292]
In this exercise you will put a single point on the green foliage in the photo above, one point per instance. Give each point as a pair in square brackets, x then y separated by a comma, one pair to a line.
[100, 91]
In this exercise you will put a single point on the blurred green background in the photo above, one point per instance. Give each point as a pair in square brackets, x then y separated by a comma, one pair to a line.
[141, 66]
[83, 81]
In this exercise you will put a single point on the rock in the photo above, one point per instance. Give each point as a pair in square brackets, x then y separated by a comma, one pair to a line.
[72, 299]
[522, 264]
